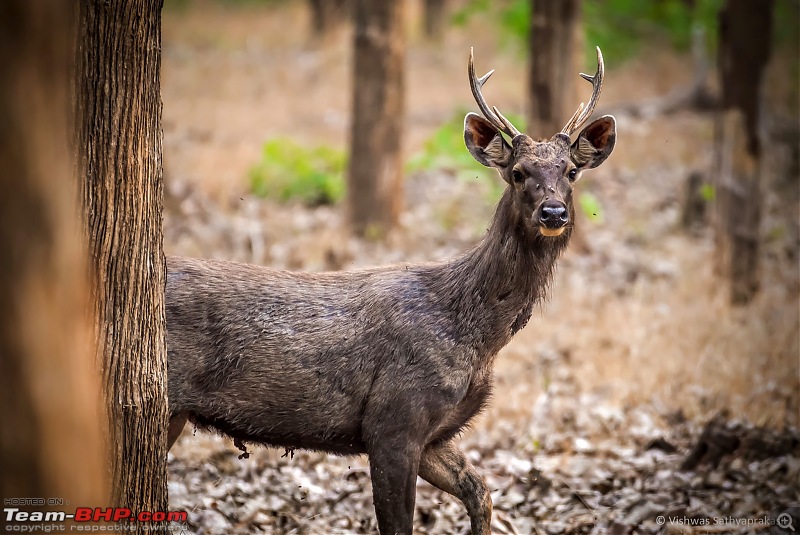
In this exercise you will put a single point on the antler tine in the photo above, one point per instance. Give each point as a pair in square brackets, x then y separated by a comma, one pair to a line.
[570, 126]
[580, 116]
[509, 128]
[492, 114]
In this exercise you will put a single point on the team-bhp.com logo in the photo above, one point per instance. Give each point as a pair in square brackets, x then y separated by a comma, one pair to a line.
[97, 514]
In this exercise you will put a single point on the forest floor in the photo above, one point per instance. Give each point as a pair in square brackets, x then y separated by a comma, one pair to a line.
[635, 393]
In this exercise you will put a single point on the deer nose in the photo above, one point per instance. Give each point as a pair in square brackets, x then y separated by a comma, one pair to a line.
[553, 214]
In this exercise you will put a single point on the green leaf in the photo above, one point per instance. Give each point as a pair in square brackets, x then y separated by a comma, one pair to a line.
[619, 27]
[590, 206]
[288, 170]
[445, 149]
[708, 192]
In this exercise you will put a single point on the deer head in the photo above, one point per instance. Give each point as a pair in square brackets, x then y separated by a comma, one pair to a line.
[541, 173]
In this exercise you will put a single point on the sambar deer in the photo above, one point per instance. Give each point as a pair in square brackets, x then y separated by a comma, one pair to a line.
[393, 361]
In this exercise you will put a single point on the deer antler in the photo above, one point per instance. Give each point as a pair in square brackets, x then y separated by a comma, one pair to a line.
[492, 114]
[582, 114]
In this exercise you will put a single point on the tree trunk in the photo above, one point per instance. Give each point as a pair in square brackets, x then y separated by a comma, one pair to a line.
[744, 49]
[327, 16]
[555, 51]
[435, 18]
[376, 167]
[51, 440]
[118, 141]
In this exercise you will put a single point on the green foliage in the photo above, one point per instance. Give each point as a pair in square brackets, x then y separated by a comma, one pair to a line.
[461, 16]
[445, 150]
[618, 27]
[786, 25]
[590, 205]
[512, 17]
[707, 192]
[289, 170]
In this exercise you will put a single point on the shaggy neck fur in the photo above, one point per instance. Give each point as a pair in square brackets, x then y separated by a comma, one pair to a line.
[493, 287]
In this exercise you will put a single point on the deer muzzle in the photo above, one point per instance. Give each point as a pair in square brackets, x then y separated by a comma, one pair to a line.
[553, 218]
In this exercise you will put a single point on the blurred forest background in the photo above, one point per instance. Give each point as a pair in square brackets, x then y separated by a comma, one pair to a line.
[676, 305]
[257, 114]
[661, 379]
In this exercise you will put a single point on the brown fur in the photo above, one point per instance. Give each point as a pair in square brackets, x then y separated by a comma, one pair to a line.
[391, 361]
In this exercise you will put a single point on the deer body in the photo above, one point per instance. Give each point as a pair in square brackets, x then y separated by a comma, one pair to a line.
[319, 350]
[392, 361]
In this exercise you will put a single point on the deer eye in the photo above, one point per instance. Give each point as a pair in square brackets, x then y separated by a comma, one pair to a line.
[518, 176]
[573, 173]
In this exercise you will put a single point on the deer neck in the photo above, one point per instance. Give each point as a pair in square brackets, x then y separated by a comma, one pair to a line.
[497, 283]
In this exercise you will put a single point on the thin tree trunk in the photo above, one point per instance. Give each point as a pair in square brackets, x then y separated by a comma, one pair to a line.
[555, 39]
[434, 18]
[327, 16]
[51, 440]
[738, 210]
[119, 143]
[376, 167]
[744, 49]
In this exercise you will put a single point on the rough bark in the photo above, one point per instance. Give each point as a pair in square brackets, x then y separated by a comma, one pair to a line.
[555, 51]
[119, 143]
[374, 177]
[744, 49]
[51, 442]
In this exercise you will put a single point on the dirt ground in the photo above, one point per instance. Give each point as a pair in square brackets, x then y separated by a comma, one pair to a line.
[601, 397]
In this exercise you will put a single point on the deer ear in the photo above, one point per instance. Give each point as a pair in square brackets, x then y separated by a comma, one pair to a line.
[594, 143]
[485, 142]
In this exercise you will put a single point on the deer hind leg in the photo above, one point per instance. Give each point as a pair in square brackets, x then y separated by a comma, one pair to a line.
[176, 423]
[444, 466]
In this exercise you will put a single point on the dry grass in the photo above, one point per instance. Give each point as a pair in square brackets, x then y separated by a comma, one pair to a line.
[678, 345]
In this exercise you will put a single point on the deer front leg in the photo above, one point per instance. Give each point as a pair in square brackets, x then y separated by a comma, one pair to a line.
[393, 468]
[394, 444]
[444, 466]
